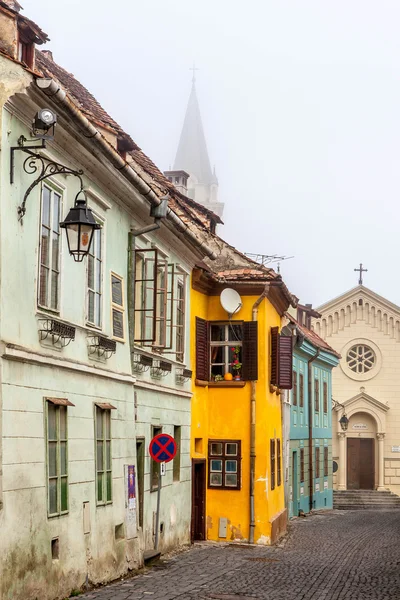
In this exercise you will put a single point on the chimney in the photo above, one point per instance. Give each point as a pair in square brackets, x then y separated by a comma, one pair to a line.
[8, 32]
[48, 54]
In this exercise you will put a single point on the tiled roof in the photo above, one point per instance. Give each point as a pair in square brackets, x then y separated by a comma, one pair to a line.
[313, 337]
[240, 274]
[15, 7]
[93, 110]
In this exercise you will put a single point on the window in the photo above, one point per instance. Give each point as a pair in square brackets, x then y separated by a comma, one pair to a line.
[177, 459]
[217, 344]
[302, 464]
[281, 360]
[326, 450]
[317, 457]
[325, 395]
[225, 349]
[117, 298]
[57, 456]
[155, 466]
[180, 322]
[301, 384]
[95, 280]
[278, 458]
[294, 388]
[161, 305]
[103, 455]
[361, 358]
[26, 49]
[272, 459]
[224, 464]
[49, 252]
[316, 394]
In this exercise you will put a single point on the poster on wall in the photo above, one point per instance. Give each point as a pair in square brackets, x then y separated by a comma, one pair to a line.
[130, 501]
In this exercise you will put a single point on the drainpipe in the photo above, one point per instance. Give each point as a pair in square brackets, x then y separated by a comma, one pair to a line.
[53, 90]
[310, 428]
[253, 426]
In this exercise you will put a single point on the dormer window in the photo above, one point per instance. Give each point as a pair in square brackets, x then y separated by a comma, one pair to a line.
[26, 49]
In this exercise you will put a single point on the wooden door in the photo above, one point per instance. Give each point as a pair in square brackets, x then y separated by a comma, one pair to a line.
[367, 464]
[360, 464]
[198, 500]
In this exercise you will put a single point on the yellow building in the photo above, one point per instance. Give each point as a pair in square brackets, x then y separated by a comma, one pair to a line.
[238, 484]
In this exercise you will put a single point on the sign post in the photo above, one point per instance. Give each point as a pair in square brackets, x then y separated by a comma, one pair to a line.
[162, 450]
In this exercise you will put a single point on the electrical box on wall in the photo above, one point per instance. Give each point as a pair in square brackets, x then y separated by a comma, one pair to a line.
[223, 525]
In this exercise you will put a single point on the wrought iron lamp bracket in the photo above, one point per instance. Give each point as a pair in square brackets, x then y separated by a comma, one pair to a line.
[36, 163]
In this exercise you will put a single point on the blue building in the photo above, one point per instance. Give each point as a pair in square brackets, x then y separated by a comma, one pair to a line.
[310, 455]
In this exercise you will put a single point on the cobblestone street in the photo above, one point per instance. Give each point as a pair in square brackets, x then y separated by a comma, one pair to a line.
[340, 555]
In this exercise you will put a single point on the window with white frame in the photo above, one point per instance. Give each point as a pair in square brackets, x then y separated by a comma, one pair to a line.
[95, 280]
[224, 458]
[225, 348]
[50, 248]
[117, 307]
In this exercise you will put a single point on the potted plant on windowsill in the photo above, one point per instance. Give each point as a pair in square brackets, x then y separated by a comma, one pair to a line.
[236, 364]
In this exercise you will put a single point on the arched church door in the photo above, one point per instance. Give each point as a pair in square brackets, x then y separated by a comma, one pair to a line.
[360, 463]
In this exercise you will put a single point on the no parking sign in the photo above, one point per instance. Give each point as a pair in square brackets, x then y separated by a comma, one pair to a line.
[162, 448]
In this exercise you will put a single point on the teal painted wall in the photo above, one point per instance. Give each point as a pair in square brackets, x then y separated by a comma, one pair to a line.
[299, 494]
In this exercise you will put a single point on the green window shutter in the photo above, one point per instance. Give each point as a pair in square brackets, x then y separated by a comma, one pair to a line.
[202, 352]
[250, 351]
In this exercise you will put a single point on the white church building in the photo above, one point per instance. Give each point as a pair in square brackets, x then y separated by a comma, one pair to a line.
[365, 329]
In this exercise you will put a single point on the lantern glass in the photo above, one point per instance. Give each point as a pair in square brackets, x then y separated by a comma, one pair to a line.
[79, 226]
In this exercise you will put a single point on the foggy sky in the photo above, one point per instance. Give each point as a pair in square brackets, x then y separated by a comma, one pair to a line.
[300, 103]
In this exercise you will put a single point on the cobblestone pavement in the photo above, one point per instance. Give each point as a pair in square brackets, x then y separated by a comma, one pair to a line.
[341, 555]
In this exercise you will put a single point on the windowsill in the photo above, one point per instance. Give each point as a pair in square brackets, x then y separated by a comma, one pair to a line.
[222, 384]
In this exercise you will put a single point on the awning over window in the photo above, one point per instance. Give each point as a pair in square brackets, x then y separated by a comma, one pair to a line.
[60, 401]
[105, 406]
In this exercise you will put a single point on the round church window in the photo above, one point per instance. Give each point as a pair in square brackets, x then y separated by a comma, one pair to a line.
[361, 358]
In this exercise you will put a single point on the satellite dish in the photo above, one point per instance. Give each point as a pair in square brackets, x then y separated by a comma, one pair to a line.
[230, 301]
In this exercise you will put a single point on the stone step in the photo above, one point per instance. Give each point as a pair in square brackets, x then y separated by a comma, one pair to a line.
[365, 507]
[365, 500]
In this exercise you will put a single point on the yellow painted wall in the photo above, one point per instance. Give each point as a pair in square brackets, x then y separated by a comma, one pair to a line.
[224, 413]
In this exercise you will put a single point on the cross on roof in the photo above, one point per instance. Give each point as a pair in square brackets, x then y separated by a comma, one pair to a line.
[361, 271]
[194, 69]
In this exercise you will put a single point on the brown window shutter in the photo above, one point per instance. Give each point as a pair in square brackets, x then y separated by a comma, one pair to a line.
[250, 351]
[274, 355]
[285, 367]
[202, 358]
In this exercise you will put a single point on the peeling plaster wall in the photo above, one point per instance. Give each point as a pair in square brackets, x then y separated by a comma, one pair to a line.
[8, 33]
[31, 370]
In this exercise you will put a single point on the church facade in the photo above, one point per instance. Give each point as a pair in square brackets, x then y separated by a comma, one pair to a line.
[364, 328]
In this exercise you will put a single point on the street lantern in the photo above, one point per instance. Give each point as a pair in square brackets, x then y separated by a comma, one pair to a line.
[80, 225]
[344, 422]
